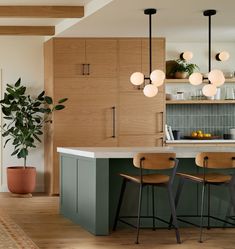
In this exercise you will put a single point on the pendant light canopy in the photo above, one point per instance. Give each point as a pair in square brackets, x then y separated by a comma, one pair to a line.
[156, 77]
[216, 77]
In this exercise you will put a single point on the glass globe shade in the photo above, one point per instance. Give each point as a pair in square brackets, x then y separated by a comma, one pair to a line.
[216, 77]
[224, 56]
[157, 77]
[137, 78]
[187, 55]
[195, 79]
[150, 90]
[209, 90]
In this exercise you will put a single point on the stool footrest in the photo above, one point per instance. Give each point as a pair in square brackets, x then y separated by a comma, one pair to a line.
[204, 216]
[143, 216]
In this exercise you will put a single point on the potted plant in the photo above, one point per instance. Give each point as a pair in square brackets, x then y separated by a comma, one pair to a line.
[182, 69]
[24, 117]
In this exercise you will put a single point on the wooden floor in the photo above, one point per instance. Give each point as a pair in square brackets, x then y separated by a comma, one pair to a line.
[39, 218]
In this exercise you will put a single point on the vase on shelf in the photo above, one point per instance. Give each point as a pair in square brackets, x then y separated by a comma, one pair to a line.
[181, 75]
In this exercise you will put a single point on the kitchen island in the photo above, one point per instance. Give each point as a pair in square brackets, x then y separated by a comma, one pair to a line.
[90, 185]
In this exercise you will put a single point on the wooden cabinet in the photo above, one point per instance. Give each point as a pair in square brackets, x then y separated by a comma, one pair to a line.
[75, 58]
[133, 57]
[141, 119]
[103, 109]
[88, 118]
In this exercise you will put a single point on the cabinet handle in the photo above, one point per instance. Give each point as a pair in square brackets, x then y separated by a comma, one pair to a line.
[88, 69]
[114, 121]
[85, 69]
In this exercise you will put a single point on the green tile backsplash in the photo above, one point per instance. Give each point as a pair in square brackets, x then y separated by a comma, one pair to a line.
[215, 118]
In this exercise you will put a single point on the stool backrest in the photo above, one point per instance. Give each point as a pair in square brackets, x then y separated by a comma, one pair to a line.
[154, 160]
[216, 160]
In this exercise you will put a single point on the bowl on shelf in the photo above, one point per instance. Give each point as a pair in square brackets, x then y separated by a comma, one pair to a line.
[170, 96]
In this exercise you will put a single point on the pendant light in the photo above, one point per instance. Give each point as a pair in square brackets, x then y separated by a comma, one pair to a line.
[156, 77]
[216, 77]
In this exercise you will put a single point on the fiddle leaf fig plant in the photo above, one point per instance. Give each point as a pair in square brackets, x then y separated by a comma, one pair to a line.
[25, 117]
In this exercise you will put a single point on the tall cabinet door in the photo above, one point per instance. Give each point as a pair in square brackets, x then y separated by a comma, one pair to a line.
[69, 58]
[141, 119]
[89, 116]
[101, 57]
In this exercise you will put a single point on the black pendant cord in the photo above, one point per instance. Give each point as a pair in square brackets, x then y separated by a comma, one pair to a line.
[209, 13]
[209, 48]
[150, 12]
[150, 45]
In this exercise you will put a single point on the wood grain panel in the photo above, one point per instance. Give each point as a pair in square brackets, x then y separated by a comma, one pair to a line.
[50, 230]
[158, 56]
[48, 128]
[69, 55]
[27, 30]
[101, 54]
[42, 11]
[130, 61]
[140, 115]
[140, 140]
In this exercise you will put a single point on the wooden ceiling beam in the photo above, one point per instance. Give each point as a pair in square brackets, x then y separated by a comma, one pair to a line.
[27, 30]
[42, 11]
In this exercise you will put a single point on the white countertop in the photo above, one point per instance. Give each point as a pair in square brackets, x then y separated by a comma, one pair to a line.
[194, 141]
[129, 152]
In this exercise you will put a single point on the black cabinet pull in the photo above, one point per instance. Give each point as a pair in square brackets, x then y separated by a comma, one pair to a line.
[85, 69]
[88, 69]
[114, 121]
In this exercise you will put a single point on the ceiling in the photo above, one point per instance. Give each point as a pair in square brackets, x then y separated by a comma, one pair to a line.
[178, 21]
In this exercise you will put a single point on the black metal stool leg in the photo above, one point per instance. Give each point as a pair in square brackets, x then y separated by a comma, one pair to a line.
[153, 208]
[139, 212]
[119, 203]
[177, 197]
[202, 209]
[173, 213]
[227, 214]
[208, 205]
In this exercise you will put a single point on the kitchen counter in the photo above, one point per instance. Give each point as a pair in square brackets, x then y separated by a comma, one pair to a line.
[90, 185]
[200, 141]
[129, 152]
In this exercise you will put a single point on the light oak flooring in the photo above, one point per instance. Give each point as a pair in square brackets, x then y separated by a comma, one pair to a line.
[39, 218]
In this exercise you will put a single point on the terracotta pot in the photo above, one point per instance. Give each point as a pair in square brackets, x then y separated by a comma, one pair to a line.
[181, 75]
[21, 180]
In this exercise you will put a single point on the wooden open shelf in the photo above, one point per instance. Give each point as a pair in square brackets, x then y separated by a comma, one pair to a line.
[228, 80]
[183, 102]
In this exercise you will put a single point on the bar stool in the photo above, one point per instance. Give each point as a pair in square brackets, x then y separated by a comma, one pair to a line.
[207, 160]
[150, 161]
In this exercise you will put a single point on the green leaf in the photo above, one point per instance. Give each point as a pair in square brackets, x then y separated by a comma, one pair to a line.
[10, 91]
[23, 153]
[10, 86]
[6, 133]
[38, 120]
[48, 100]
[39, 140]
[62, 100]
[59, 107]
[36, 104]
[15, 152]
[22, 90]
[40, 96]
[17, 84]
[6, 142]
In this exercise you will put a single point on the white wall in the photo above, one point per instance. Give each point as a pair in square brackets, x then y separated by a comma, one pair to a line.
[22, 57]
[200, 51]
